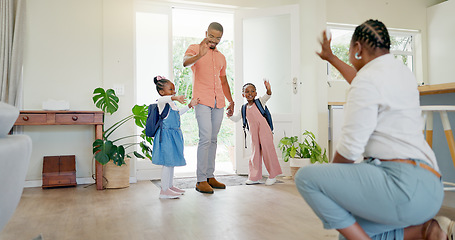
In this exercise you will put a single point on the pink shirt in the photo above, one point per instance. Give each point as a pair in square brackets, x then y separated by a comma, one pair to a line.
[206, 76]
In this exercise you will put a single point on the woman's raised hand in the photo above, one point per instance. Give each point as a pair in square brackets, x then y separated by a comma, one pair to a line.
[326, 52]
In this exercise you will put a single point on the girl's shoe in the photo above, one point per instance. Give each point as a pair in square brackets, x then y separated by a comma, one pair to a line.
[447, 226]
[169, 194]
[177, 190]
[251, 182]
[270, 181]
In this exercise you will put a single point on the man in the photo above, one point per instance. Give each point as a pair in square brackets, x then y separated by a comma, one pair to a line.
[210, 85]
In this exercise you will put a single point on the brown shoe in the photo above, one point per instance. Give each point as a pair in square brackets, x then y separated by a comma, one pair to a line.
[204, 187]
[215, 184]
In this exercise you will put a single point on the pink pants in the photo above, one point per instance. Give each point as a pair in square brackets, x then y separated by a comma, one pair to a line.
[262, 146]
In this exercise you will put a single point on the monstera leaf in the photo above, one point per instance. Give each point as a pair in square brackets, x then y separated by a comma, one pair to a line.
[140, 113]
[107, 101]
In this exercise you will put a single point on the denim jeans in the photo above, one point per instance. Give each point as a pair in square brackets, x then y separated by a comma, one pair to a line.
[383, 197]
[209, 123]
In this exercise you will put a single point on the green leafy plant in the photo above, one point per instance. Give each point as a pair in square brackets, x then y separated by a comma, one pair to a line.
[107, 149]
[308, 148]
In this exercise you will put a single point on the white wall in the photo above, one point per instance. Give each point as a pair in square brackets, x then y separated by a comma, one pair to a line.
[441, 35]
[72, 47]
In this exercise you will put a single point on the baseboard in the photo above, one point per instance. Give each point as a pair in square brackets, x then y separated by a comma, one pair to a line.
[39, 183]
[148, 174]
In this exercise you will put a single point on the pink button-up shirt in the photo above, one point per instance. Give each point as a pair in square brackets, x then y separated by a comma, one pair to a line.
[206, 76]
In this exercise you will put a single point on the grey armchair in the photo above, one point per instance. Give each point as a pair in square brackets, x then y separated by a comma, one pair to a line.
[15, 151]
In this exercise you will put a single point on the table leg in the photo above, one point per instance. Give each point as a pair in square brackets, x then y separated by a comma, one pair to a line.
[98, 166]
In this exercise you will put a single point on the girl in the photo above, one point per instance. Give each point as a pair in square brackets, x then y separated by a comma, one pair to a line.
[261, 137]
[168, 141]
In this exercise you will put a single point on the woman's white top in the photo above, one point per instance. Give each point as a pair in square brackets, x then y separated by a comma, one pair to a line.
[167, 99]
[236, 117]
[383, 116]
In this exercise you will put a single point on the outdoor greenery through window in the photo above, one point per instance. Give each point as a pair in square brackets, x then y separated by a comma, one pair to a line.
[402, 47]
[189, 27]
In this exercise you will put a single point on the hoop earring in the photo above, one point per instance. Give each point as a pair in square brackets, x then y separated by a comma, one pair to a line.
[357, 56]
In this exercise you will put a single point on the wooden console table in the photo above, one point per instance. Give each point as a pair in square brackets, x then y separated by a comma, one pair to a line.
[31, 118]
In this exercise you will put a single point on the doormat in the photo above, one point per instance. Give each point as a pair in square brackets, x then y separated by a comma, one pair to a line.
[229, 180]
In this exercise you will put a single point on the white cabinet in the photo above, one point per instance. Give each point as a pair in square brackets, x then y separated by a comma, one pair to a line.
[336, 119]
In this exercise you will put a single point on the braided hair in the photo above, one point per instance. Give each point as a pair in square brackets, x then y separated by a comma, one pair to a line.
[246, 85]
[160, 82]
[373, 33]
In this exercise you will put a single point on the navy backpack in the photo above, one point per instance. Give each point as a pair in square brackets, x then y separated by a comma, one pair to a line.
[154, 119]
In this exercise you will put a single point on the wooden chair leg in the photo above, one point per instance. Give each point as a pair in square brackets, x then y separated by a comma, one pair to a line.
[449, 134]
[429, 128]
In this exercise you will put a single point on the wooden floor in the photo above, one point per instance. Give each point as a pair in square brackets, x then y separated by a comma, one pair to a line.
[239, 212]
[136, 213]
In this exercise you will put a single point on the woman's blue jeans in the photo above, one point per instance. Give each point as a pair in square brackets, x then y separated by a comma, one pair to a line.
[383, 198]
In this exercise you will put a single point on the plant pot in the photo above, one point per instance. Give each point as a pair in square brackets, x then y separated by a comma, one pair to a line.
[297, 163]
[116, 176]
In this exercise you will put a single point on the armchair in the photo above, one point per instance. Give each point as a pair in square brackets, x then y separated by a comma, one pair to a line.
[15, 151]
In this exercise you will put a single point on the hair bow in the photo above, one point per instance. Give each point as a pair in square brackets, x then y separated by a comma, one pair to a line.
[160, 77]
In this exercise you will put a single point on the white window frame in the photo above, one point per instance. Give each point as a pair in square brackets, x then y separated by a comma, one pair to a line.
[416, 47]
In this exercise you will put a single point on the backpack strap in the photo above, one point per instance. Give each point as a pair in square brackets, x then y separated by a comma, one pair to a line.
[259, 105]
[245, 122]
[165, 112]
[163, 115]
[265, 112]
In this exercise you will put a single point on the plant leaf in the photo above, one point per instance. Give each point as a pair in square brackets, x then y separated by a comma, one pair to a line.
[107, 101]
[140, 113]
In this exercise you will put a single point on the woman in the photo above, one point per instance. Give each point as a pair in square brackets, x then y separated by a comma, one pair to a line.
[397, 190]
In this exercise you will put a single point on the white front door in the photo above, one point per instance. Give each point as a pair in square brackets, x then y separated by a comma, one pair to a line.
[267, 46]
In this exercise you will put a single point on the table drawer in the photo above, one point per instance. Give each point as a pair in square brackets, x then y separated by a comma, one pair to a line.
[76, 118]
[31, 119]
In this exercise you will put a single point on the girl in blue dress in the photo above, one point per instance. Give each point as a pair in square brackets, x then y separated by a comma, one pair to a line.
[168, 141]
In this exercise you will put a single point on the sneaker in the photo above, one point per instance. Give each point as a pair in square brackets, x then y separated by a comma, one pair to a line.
[270, 181]
[169, 194]
[251, 182]
[177, 190]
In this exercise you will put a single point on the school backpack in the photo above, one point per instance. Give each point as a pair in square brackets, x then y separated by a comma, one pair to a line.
[154, 119]
[264, 111]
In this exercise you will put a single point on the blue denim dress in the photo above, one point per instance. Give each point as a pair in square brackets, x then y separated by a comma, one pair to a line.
[168, 142]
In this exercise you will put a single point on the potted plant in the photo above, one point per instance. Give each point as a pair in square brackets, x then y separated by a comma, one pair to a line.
[109, 152]
[302, 153]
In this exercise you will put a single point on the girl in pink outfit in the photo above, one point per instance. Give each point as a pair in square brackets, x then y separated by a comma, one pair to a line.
[261, 137]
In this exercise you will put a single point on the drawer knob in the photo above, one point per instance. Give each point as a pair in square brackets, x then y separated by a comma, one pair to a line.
[74, 118]
[26, 118]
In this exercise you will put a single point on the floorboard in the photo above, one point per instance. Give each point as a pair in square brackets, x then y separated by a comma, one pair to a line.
[136, 213]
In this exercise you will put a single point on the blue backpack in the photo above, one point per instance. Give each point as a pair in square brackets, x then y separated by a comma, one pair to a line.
[154, 119]
[264, 111]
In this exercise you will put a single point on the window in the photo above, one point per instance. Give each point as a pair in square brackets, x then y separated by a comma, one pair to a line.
[402, 46]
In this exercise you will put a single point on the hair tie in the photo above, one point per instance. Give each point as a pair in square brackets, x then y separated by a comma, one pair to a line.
[160, 78]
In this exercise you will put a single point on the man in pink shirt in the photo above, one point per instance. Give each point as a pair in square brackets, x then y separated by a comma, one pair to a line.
[210, 85]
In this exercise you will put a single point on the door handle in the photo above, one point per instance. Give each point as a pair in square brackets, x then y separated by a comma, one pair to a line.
[294, 85]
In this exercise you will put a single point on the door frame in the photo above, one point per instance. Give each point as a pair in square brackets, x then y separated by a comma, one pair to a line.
[285, 124]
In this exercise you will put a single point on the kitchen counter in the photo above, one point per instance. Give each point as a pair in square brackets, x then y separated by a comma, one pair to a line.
[437, 88]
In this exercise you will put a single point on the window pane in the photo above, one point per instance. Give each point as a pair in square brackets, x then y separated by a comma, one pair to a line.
[341, 38]
[401, 43]
[406, 59]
